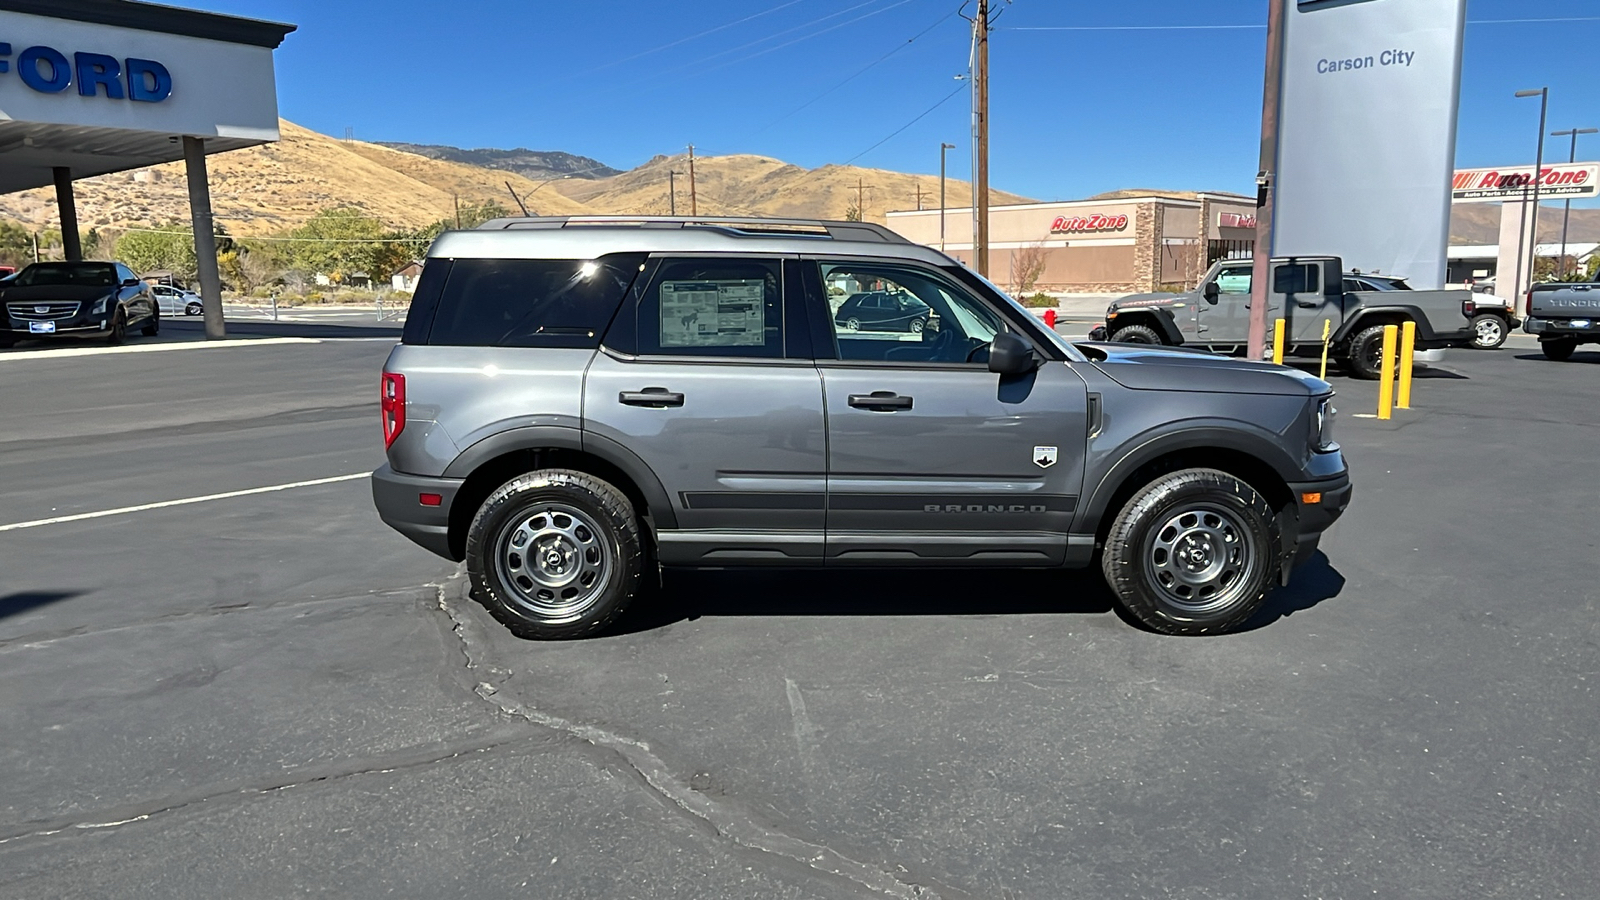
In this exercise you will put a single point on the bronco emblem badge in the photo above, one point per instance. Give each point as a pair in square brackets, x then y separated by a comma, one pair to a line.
[1044, 457]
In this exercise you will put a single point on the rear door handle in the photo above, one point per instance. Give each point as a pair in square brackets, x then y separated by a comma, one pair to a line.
[653, 397]
[887, 401]
[1307, 304]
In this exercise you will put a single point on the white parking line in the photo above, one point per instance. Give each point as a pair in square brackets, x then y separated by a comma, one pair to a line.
[184, 502]
[153, 348]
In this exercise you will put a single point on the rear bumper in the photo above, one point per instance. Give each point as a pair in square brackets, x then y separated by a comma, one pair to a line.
[1332, 497]
[1548, 329]
[396, 497]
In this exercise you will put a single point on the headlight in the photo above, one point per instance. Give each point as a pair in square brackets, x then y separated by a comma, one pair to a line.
[1322, 427]
[100, 308]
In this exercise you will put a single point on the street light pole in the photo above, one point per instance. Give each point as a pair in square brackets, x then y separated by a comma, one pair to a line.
[1538, 178]
[942, 148]
[1566, 215]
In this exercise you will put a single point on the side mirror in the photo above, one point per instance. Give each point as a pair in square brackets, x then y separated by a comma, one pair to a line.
[1211, 292]
[1010, 355]
[129, 282]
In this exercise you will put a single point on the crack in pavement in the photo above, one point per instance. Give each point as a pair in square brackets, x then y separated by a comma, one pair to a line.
[400, 760]
[738, 828]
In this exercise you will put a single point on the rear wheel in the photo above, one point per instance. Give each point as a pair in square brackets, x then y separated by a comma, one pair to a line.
[1192, 553]
[193, 309]
[852, 324]
[1364, 357]
[1488, 332]
[555, 554]
[1136, 334]
[917, 325]
[1560, 349]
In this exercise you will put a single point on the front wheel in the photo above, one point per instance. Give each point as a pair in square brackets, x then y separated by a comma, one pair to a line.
[1560, 349]
[119, 328]
[152, 327]
[1193, 553]
[917, 325]
[1136, 334]
[1488, 332]
[193, 309]
[555, 554]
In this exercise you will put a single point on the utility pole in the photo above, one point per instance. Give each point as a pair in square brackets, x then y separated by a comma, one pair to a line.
[861, 209]
[942, 148]
[919, 196]
[980, 175]
[1265, 186]
[457, 199]
[694, 204]
[672, 190]
[1566, 216]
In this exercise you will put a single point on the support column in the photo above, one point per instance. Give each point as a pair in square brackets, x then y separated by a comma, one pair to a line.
[205, 243]
[1512, 278]
[71, 241]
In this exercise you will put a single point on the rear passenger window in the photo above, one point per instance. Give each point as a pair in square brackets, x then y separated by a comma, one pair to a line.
[713, 307]
[531, 302]
[1298, 278]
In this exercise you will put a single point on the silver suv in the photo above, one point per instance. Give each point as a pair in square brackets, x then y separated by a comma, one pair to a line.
[579, 401]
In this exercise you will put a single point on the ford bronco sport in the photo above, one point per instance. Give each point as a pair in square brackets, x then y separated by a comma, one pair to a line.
[579, 401]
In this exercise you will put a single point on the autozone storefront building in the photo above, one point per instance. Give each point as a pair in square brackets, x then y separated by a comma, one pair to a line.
[1136, 242]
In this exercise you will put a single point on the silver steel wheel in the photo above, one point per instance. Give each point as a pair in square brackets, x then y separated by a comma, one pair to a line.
[852, 324]
[917, 325]
[1201, 559]
[1490, 331]
[557, 562]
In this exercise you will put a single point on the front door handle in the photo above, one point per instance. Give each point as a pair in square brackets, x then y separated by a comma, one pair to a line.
[886, 401]
[652, 397]
[1307, 304]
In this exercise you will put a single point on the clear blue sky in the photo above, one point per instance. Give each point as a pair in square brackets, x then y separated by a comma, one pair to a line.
[1075, 112]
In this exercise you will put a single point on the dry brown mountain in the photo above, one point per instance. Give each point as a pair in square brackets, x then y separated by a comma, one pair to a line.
[1479, 223]
[278, 186]
[760, 185]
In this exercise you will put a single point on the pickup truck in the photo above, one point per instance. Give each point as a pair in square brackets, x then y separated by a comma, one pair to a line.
[1564, 316]
[1306, 292]
[1492, 318]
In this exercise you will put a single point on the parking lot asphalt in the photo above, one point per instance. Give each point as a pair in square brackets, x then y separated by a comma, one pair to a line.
[271, 693]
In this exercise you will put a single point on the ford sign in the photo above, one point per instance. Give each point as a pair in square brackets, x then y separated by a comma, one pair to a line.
[48, 71]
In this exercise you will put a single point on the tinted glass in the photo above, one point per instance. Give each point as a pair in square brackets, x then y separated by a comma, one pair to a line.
[924, 317]
[713, 307]
[1297, 279]
[530, 302]
[66, 273]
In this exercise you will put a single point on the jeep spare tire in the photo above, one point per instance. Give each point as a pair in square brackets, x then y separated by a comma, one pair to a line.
[1193, 552]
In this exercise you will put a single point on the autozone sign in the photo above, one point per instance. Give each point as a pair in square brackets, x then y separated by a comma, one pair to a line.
[1084, 224]
[1564, 180]
[1236, 220]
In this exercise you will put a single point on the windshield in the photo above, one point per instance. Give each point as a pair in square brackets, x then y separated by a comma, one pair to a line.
[62, 273]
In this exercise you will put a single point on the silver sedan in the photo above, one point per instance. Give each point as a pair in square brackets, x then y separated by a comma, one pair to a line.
[176, 301]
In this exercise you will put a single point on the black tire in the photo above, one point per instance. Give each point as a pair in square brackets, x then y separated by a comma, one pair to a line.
[1136, 334]
[916, 326]
[1489, 332]
[152, 327]
[503, 580]
[1363, 358]
[119, 328]
[1200, 511]
[193, 309]
[1559, 350]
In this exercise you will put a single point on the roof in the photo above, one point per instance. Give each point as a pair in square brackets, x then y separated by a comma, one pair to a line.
[155, 17]
[587, 237]
[1575, 249]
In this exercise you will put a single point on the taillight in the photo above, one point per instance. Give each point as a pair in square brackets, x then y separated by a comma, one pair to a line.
[1469, 308]
[392, 404]
[1529, 308]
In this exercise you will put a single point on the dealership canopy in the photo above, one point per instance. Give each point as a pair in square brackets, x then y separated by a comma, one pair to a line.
[89, 87]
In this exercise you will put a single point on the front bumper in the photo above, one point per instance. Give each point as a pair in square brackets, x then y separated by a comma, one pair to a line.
[78, 326]
[1319, 504]
[396, 495]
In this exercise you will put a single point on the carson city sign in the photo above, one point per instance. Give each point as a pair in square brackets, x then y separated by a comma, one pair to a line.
[1558, 180]
[48, 71]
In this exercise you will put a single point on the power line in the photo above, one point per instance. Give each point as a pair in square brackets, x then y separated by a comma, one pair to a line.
[897, 131]
[861, 71]
[1263, 27]
[693, 37]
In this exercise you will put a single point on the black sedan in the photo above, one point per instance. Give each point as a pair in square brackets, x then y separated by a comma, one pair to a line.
[883, 311]
[84, 299]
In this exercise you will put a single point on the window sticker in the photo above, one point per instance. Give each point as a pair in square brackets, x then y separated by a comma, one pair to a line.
[720, 313]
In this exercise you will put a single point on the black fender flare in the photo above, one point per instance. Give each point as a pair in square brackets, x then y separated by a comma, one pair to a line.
[1160, 317]
[1234, 436]
[1364, 315]
[561, 437]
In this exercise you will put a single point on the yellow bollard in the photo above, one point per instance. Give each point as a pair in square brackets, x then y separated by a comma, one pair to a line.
[1386, 383]
[1277, 342]
[1327, 329]
[1408, 344]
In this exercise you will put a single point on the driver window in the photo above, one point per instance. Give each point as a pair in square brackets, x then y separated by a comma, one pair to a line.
[1235, 280]
[888, 313]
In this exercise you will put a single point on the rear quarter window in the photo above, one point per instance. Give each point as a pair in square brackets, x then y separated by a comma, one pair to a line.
[524, 302]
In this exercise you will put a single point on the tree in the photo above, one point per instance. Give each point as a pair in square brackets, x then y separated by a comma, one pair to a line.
[164, 248]
[852, 212]
[16, 244]
[1027, 265]
[336, 243]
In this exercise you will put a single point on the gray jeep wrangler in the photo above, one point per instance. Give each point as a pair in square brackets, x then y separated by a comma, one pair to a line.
[579, 401]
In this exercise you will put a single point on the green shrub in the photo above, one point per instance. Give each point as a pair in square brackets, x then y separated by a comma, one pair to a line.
[1039, 301]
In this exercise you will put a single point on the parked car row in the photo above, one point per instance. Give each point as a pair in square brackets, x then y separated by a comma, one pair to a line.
[96, 299]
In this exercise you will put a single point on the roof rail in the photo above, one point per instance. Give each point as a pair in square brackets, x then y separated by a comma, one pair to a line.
[739, 226]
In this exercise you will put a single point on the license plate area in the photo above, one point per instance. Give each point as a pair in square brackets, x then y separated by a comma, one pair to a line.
[42, 327]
